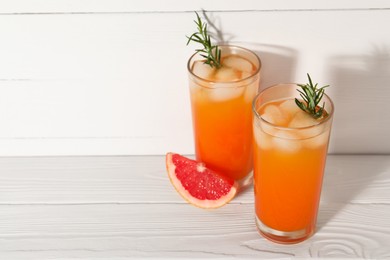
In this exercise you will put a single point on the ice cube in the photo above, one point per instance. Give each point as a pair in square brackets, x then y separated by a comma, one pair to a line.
[226, 74]
[262, 139]
[250, 92]
[264, 126]
[220, 92]
[273, 115]
[238, 63]
[289, 107]
[202, 70]
[317, 141]
[302, 119]
[286, 142]
[245, 75]
[311, 125]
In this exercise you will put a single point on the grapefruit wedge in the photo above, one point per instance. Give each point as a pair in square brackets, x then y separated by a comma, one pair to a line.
[198, 185]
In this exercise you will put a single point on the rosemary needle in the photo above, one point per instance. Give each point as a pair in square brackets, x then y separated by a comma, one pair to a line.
[211, 53]
[311, 96]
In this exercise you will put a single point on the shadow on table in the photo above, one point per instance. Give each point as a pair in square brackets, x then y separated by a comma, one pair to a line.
[345, 178]
[360, 90]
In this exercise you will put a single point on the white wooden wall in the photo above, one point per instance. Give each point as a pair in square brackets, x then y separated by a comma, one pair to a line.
[108, 77]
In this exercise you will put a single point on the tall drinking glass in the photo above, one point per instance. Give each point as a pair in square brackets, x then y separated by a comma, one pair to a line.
[290, 152]
[221, 111]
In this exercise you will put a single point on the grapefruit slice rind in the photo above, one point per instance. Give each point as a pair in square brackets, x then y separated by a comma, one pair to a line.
[197, 184]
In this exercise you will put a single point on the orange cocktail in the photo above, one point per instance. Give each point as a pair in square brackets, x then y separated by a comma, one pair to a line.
[221, 111]
[290, 151]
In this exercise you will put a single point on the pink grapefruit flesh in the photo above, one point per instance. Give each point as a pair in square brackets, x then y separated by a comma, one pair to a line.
[197, 184]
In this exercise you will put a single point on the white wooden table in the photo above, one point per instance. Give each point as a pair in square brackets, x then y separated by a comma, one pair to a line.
[125, 207]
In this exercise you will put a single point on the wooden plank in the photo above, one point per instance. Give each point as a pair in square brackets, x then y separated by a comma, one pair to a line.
[81, 84]
[172, 230]
[77, 84]
[143, 179]
[121, 207]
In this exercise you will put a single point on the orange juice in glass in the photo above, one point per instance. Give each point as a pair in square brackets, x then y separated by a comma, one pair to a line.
[221, 102]
[290, 150]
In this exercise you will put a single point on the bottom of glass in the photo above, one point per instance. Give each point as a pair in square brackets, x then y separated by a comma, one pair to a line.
[246, 181]
[283, 237]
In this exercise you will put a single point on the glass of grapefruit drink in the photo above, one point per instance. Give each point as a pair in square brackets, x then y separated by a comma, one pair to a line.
[221, 99]
[290, 150]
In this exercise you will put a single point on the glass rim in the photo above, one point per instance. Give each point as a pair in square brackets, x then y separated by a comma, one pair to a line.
[258, 116]
[211, 82]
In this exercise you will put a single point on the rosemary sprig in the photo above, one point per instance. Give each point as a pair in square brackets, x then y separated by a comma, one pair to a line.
[311, 96]
[210, 52]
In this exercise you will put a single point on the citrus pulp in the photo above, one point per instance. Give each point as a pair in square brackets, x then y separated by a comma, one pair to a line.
[197, 184]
